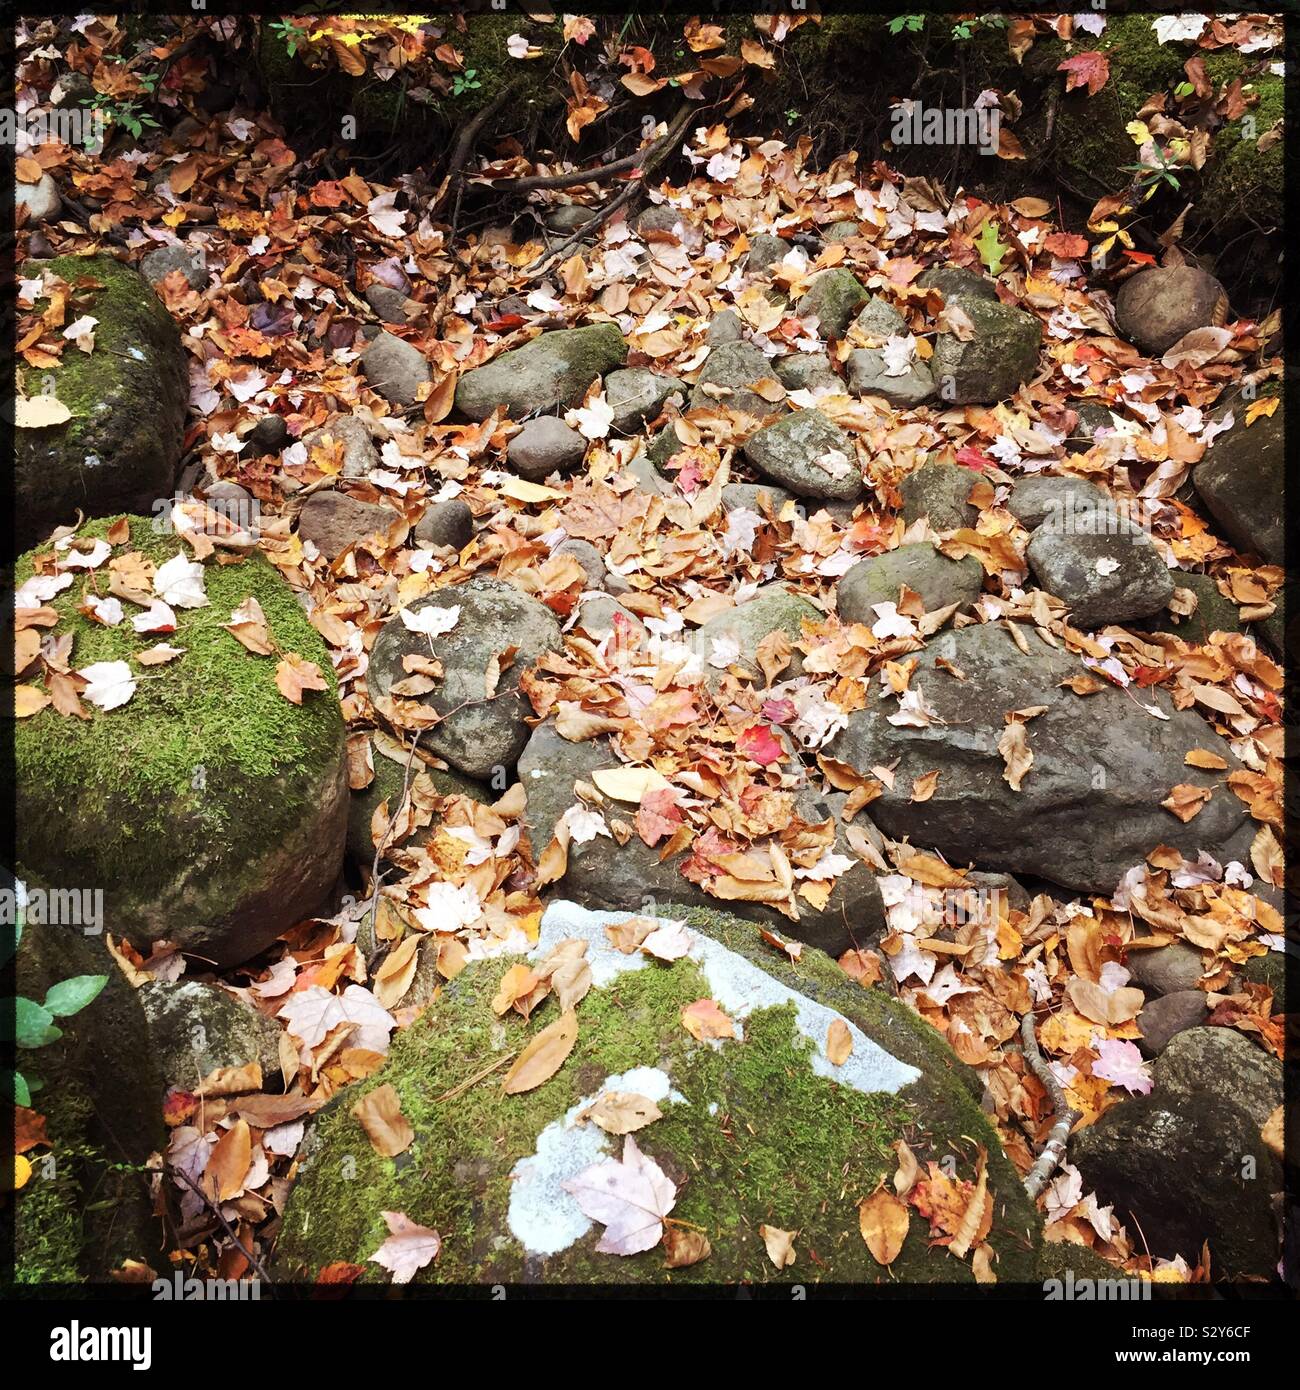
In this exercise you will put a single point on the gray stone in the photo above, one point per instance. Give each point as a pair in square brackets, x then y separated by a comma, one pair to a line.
[956, 282]
[332, 521]
[586, 554]
[157, 265]
[725, 328]
[789, 451]
[120, 449]
[647, 477]
[841, 231]
[939, 491]
[1088, 809]
[879, 319]
[806, 371]
[1069, 565]
[395, 368]
[773, 608]
[1208, 1059]
[1155, 308]
[1242, 482]
[636, 395]
[269, 435]
[41, 199]
[568, 217]
[1171, 969]
[448, 523]
[866, 372]
[1093, 416]
[1000, 357]
[359, 452]
[661, 217]
[391, 305]
[877, 579]
[1040, 498]
[477, 735]
[597, 614]
[765, 251]
[1162, 1018]
[544, 446]
[553, 370]
[734, 366]
[1214, 612]
[832, 298]
[735, 495]
[195, 1028]
[389, 782]
[1172, 1162]
[601, 873]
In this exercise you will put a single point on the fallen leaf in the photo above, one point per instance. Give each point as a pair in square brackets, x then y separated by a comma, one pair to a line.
[380, 1115]
[408, 1249]
[543, 1057]
[882, 1220]
[780, 1245]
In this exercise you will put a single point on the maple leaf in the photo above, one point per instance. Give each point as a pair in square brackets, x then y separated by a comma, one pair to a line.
[992, 249]
[1122, 1063]
[294, 675]
[759, 743]
[408, 1249]
[1089, 69]
[629, 1196]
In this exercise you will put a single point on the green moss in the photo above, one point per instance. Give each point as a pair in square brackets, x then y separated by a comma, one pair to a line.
[48, 1223]
[165, 776]
[128, 311]
[762, 1139]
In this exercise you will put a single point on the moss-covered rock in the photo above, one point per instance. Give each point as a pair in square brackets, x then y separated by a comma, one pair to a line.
[756, 1130]
[119, 450]
[832, 299]
[1000, 357]
[209, 809]
[553, 370]
[807, 453]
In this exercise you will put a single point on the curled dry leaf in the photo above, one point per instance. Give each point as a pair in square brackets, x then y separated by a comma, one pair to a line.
[780, 1245]
[684, 1247]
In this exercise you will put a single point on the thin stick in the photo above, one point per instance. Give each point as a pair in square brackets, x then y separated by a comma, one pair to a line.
[474, 1080]
[653, 157]
[1054, 1150]
[216, 1211]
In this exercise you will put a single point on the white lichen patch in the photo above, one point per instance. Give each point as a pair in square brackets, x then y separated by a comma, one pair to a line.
[542, 1216]
[740, 987]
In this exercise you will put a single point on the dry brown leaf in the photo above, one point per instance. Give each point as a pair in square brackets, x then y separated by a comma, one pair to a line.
[543, 1057]
[882, 1220]
[839, 1043]
[380, 1115]
[780, 1245]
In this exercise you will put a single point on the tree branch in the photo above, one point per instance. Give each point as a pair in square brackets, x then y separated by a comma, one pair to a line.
[1054, 1150]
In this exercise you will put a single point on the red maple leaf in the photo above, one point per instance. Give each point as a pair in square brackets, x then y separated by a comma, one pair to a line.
[1089, 70]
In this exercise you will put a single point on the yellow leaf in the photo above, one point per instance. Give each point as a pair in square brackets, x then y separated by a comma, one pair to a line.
[1266, 406]
[882, 1220]
[380, 1115]
[543, 1057]
[839, 1043]
[40, 412]
[628, 783]
[523, 491]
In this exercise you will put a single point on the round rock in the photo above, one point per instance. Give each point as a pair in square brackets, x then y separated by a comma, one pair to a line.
[1155, 308]
[544, 446]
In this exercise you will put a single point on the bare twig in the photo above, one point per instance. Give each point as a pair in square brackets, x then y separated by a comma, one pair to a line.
[651, 159]
[1054, 1150]
[460, 152]
[226, 1226]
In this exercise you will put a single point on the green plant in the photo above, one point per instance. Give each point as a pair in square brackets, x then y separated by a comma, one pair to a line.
[464, 82]
[129, 114]
[791, 116]
[1148, 177]
[913, 23]
[289, 32]
[34, 1024]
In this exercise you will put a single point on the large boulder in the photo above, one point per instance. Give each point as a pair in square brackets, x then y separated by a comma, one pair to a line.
[807, 452]
[479, 735]
[1242, 481]
[992, 364]
[832, 299]
[1109, 574]
[1088, 808]
[1186, 1164]
[816, 1136]
[553, 370]
[602, 873]
[1155, 308]
[878, 579]
[120, 449]
[208, 807]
